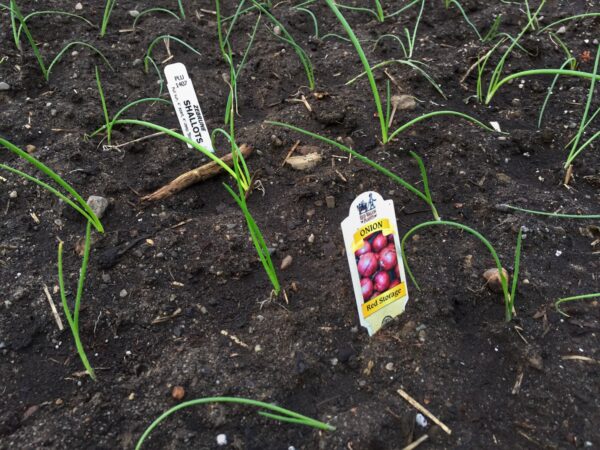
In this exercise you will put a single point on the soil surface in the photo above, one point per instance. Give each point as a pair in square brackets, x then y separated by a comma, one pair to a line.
[494, 384]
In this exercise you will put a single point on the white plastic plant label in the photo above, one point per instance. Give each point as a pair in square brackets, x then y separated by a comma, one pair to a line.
[373, 249]
[186, 105]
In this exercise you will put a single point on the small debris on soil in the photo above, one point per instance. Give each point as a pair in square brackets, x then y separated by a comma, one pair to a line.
[13, 194]
[287, 262]
[78, 6]
[492, 278]
[123, 293]
[404, 102]
[221, 439]
[178, 392]
[304, 162]
[330, 201]
[4, 86]
[98, 205]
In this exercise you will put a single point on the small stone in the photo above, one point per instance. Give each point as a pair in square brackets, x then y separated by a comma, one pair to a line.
[311, 238]
[178, 392]
[257, 348]
[133, 12]
[13, 194]
[221, 440]
[78, 6]
[30, 148]
[421, 420]
[330, 201]
[53, 112]
[304, 162]
[422, 335]
[136, 62]
[123, 293]
[105, 278]
[4, 86]
[287, 262]
[277, 30]
[98, 205]
[389, 366]
[561, 30]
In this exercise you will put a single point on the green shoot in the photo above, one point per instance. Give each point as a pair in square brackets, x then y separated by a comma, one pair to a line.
[76, 201]
[108, 122]
[241, 182]
[425, 196]
[533, 72]
[560, 43]
[416, 65]
[464, 14]
[104, 109]
[149, 60]
[569, 62]
[287, 38]
[508, 299]
[582, 126]
[550, 214]
[412, 122]
[16, 15]
[366, 66]
[52, 12]
[513, 291]
[283, 415]
[67, 47]
[108, 7]
[257, 238]
[73, 316]
[181, 10]
[497, 72]
[153, 10]
[560, 301]
[570, 18]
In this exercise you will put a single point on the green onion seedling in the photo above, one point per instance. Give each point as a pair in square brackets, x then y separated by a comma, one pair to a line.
[267, 410]
[154, 10]
[108, 8]
[509, 297]
[149, 60]
[73, 315]
[425, 195]
[108, 122]
[71, 198]
[560, 301]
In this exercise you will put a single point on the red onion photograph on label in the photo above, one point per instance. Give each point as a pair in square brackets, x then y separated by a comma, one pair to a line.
[377, 264]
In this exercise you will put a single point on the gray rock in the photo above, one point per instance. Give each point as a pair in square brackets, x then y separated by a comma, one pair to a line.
[98, 205]
[4, 86]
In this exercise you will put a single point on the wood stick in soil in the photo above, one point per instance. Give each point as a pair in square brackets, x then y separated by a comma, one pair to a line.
[194, 176]
[424, 410]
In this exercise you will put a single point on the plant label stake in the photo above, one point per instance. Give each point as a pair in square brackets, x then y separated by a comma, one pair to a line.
[373, 249]
[186, 105]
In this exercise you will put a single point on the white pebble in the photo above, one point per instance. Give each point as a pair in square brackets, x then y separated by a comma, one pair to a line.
[558, 253]
[13, 194]
[123, 293]
[221, 439]
[78, 6]
[421, 420]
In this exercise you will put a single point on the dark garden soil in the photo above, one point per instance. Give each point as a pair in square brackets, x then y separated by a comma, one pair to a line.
[495, 384]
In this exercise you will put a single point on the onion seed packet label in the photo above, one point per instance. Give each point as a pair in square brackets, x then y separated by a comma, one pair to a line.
[373, 249]
[186, 105]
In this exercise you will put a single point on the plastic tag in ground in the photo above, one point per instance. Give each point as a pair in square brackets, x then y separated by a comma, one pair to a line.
[186, 105]
[376, 267]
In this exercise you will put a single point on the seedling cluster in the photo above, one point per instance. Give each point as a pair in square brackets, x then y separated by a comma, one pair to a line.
[491, 75]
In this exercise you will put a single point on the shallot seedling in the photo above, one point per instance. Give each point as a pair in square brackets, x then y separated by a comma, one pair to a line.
[266, 409]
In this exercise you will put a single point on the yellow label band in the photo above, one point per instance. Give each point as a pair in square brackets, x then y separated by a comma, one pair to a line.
[383, 300]
[382, 225]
